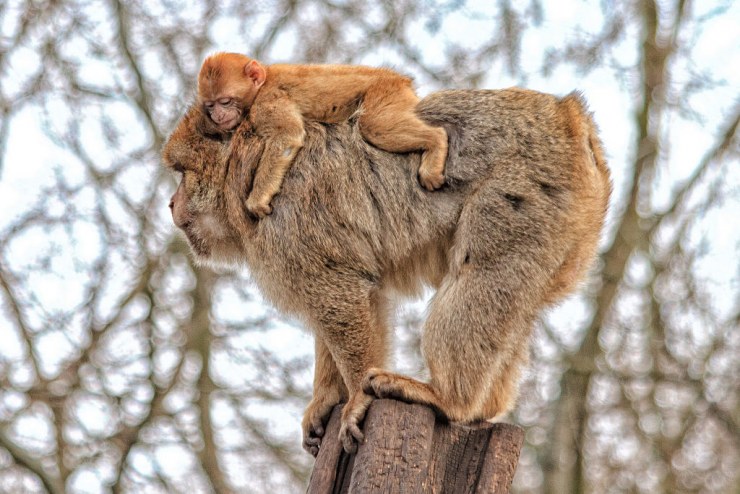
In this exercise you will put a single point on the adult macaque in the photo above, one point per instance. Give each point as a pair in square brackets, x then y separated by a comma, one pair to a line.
[279, 97]
[514, 232]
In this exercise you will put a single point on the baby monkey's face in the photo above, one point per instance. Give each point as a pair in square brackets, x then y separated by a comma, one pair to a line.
[225, 112]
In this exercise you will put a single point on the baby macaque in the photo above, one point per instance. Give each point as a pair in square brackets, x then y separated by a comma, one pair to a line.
[278, 97]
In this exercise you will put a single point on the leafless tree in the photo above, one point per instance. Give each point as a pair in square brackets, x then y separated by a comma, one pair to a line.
[124, 368]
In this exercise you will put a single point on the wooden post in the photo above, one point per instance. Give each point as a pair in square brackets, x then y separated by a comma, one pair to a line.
[407, 450]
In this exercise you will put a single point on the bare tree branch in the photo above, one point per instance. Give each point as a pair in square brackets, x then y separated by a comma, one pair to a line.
[22, 458]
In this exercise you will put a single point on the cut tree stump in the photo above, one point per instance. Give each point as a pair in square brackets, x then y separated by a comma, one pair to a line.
[408, 450]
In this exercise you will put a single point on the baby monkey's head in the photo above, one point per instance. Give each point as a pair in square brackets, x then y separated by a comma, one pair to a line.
[227, 86]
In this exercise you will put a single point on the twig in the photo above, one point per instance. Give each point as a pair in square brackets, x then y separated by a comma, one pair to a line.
[22, 458]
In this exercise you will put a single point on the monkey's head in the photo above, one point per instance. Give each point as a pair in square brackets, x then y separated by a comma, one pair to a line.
[227, 86]
[208, 203]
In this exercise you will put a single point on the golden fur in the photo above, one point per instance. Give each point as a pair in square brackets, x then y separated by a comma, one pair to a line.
[514, 231]
[279, 97]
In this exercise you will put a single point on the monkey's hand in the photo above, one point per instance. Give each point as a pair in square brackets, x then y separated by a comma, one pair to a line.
[315, 419]
[259, 206]
[350, 433]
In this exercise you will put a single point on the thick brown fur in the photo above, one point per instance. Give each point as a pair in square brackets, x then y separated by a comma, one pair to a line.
[279, 97]
[515, 231]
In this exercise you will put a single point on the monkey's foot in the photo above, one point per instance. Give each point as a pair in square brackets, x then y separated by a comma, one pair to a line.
[432, 168]
[314, 422]
[259, 207]
[431, 180]
[350, 433]
[384, 384]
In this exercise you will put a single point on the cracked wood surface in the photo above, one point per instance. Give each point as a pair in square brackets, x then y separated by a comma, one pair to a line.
[409, 450]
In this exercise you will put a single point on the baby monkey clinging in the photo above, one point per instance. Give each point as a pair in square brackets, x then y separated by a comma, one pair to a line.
[278, 97]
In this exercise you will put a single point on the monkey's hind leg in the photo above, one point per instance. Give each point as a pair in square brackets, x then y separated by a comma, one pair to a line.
[505, 252]
[473, 370]
[389, 121]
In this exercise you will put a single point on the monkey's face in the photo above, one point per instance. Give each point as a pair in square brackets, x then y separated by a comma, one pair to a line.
[199, 205]
[226, 112]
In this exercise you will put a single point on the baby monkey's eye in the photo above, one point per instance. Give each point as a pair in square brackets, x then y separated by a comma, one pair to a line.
[224, 101]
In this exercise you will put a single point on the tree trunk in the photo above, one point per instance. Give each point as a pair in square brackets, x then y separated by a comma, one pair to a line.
[408, 450]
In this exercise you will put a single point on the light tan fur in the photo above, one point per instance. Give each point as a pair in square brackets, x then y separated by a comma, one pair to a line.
[279, 97]
[515, 231]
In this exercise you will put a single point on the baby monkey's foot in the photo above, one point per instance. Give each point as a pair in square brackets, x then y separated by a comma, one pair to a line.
[433, 159]
[259, 207]
[431, 180]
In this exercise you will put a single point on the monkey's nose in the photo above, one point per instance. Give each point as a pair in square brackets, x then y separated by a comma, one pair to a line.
[172, 203]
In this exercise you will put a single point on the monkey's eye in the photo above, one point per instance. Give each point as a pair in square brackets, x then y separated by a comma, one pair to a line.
[224, 101]
[209, 104]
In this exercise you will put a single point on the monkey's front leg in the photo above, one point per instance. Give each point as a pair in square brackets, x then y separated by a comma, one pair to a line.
[328, 391]
[281, 125]
[351, 322]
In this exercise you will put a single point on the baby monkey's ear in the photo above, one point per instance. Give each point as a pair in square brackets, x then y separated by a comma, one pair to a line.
[256, 72]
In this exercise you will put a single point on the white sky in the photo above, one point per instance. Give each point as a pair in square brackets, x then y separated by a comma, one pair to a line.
[30, 158]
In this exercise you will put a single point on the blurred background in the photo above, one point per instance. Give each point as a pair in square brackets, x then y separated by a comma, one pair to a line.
[124, 369]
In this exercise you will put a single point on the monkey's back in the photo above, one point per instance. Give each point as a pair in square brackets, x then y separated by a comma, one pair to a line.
[525, 201]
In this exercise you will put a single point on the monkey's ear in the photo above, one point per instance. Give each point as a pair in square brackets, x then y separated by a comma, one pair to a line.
[255, 71]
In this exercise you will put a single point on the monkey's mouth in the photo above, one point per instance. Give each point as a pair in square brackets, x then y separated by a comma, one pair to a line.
[229, 123]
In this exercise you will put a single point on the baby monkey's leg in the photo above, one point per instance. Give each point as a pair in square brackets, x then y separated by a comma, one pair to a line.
[389, 121]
